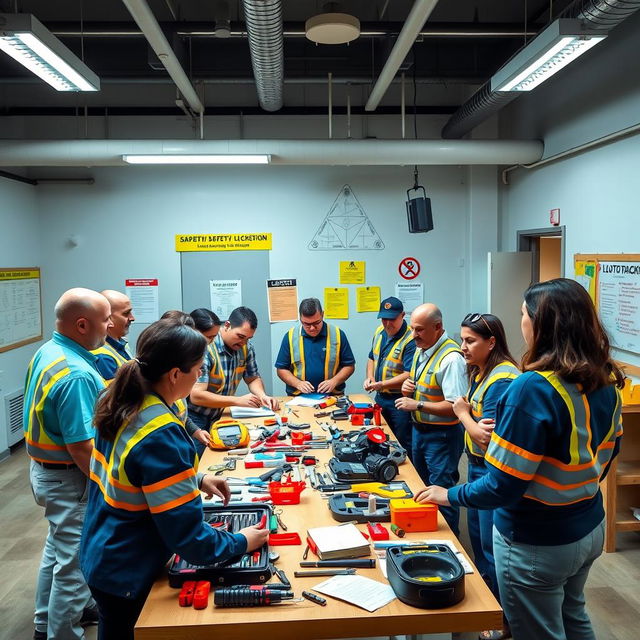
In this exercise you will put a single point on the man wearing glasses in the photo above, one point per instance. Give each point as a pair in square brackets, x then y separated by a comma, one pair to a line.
[314, 356]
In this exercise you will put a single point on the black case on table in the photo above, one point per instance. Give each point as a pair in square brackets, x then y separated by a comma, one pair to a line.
[226, 573]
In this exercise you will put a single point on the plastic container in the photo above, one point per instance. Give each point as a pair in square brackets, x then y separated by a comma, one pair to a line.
[286, 492]
[412, 516]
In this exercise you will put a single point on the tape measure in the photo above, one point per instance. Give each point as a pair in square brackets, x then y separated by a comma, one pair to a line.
[229, 434]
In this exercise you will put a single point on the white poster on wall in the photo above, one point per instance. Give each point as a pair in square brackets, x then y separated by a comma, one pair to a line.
[411, 294]
[143, 293]
[225, 295]
[619, 303]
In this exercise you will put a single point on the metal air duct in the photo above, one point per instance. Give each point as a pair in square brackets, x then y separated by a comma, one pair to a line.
[266, 41]
[603, 15]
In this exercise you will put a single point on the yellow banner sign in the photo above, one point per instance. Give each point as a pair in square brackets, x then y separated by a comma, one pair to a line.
[223, 242]
[19, 274]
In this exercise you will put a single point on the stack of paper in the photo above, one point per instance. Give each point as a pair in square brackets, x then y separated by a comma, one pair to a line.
[251, 412]
[306, 400]
[340, 541]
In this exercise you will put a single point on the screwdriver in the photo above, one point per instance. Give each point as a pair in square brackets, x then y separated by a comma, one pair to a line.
[255, 596]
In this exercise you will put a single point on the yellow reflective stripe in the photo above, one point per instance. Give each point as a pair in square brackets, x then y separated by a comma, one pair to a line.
[326, 353]
[107, 350]
[216, 372]
[336, 354]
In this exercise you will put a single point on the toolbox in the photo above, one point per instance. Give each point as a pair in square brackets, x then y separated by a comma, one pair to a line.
[428, 577]
[348, 507]
[413, 516]
[248, 568]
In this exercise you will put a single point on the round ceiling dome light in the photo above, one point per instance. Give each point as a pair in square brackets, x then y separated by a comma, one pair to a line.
[332, 28]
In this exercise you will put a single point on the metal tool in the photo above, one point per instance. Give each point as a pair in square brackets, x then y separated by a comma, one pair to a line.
[324, 572]
[277, 513]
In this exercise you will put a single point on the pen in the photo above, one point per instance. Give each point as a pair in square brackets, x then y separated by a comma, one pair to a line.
[324, 572]
[361, 563]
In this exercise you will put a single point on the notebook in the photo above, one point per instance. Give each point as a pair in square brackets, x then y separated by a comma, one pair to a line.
[339, 541]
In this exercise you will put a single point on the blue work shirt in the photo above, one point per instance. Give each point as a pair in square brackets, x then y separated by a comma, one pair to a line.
[69, 404]
[105, 364]
[386, 346]
[314, 355]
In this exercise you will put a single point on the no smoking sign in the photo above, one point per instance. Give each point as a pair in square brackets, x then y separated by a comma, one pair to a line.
[409, 268]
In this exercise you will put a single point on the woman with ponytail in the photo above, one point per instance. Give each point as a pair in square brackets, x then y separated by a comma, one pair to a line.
[144, 499]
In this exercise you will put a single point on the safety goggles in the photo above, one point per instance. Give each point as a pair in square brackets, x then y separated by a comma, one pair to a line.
[475, 317]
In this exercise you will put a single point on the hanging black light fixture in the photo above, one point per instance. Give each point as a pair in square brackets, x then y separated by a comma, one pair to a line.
[419, 214]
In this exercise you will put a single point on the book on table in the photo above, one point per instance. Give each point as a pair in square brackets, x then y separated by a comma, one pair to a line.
[339, 541]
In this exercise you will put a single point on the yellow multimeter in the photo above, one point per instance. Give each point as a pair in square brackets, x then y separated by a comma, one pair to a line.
[228, 434]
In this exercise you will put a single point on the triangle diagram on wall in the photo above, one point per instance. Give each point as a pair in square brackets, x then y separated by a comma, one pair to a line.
[346, 226]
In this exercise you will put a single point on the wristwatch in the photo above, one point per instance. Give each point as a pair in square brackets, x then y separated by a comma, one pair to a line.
[420, 406]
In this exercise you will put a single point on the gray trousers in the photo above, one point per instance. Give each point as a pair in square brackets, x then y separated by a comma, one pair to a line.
[542, 587]
[61, 592]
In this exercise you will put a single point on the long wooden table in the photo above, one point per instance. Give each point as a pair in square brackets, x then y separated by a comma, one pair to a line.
[163, 619]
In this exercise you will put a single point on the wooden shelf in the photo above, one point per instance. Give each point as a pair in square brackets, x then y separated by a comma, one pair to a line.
[628, 472]
[626, 522]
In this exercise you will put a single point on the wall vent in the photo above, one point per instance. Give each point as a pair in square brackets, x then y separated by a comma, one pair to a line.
[13, 404]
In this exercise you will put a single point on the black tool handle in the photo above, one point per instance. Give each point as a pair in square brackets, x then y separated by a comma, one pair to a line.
[360, 563]
[230, 597]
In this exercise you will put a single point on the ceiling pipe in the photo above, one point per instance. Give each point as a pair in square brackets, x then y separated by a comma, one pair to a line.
[597, 14]
[291, 30]
[418, 15]
[108, 153]
[147, 22]
[266, 43]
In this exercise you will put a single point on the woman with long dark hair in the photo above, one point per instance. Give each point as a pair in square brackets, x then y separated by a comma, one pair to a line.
[491, 369]
[558, 426]
[144, 502]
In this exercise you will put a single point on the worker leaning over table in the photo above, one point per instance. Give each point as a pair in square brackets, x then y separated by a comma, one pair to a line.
[231, 359]
[314, 356]
[144, 499]
[60, 393]
[438, 376]
[389, 365]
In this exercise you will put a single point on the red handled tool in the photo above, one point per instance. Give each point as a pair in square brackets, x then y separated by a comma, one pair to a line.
[201, 594]
[377, 531]
[263, 522]
[276, 539]
[185, 598]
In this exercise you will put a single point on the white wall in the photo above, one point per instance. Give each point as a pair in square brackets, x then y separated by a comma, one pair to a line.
[596, 191]
[126, 223]
[19, 247]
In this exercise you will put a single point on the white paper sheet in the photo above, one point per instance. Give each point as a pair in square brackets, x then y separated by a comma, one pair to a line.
[306, 400]
[225, 295]
[363, 592]
[251, 412]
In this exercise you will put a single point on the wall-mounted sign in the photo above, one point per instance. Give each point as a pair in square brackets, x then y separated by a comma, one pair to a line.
[409, 268]
[223, 242]
[143, 293]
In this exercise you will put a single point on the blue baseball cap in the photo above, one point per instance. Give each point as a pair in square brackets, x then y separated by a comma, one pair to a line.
[390, 308]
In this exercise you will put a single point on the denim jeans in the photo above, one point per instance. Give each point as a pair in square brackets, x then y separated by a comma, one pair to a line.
[399, 421]
[436, 454]
[480, 523]
[542, 587]
[61, 591]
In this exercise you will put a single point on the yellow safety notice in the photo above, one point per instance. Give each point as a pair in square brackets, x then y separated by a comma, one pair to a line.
[224, 242]
[352, 272]
[19, 274]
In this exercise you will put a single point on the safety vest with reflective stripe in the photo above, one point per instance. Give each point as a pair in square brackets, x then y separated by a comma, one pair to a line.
[331, 354]
[107, 350]
[110, 475]
[552, 481]
[40, 446]
[503, 371]
[428, 383]
[217, 378]
[392, 364]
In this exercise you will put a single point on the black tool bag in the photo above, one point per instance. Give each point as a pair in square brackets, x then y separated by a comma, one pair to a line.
[245, 569]
[425, 576]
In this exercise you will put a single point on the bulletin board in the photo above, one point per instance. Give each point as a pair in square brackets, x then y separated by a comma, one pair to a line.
[613, 281]
[20, 307]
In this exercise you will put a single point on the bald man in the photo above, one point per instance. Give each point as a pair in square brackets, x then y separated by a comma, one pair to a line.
[438, 376]
[60, 393]
[115, 352]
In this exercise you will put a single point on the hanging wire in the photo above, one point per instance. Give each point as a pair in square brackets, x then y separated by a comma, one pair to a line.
[415, 111]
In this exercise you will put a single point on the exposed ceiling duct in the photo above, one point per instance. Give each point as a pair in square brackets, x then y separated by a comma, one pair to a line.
[148, 24]
[419, 14]
[266, 42]
[603, 15]
[108, 153]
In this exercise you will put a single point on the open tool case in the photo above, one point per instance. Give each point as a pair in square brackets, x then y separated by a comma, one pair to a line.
[249, 568]
[426, 576]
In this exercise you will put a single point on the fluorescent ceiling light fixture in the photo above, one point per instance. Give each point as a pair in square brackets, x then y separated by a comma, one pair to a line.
[27, 40]
[209, 158]
[558, 45]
